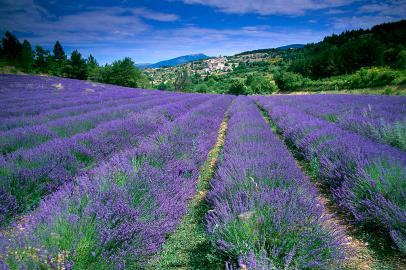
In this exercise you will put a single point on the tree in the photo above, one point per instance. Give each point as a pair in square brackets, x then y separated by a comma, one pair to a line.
[41, 59]
[11, 47]
[288, 81]
[182, 80]
[202, 88]
[58, 65]
[93, 69]
[77, 66]
[59, 54]
[91, 62]
[259, 85]
[26, 57]
[237, 88]
[123, 72]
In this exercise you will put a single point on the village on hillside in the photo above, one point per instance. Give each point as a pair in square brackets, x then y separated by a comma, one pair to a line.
[213, 66]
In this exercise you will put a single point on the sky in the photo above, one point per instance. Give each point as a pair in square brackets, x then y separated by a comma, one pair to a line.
[150, 31]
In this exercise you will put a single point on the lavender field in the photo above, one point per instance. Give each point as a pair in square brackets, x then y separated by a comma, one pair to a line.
[96, 176]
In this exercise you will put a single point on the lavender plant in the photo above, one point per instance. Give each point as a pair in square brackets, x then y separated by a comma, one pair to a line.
[366, 178]
[118, 215]
[381, 118]
[266, 213]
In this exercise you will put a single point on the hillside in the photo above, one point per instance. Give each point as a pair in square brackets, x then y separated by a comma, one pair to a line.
[282, 48]
[365, 58]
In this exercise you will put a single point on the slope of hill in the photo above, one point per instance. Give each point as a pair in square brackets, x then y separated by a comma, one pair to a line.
[291, 46]
[358, 59]
[269, 50]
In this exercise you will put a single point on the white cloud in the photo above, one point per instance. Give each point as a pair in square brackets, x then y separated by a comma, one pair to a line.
[395, 8]
[156, 16]
[356, 22]
[268, 7]
[94, 25]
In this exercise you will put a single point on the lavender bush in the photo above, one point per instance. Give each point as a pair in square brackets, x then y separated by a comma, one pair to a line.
[266, 213]
[367, 179]
[118, 215]
[382, 118]
[44, 160]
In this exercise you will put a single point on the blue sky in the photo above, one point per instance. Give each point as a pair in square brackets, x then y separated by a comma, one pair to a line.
[149, 31]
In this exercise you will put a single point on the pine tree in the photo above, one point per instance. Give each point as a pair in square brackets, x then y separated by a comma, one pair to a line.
[41, 59]
[78, 69]
[26, 57]
[93, 69]
[59, 54]
[11, 47]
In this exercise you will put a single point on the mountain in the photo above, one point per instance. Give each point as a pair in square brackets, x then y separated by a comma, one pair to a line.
[143, 65]
[291, 46]
[175, 61]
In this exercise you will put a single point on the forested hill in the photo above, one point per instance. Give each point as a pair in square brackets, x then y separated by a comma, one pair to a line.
[282, 48]
[347, 52]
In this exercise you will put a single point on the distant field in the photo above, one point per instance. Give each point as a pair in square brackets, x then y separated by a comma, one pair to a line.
[96, 176]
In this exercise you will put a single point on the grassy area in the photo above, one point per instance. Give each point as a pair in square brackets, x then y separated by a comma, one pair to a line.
[189, 247]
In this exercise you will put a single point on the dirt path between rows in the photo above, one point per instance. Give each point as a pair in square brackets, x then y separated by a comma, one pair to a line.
[189, 247]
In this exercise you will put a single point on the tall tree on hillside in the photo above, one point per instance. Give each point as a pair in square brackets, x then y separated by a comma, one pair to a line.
[11, 47]
[93, 68]
[182, 80]
[59, 54]
[76, 67]
[41, 59]
[26, 57]
[58, 63]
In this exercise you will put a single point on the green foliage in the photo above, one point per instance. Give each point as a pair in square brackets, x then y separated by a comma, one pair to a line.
[76, 67]
[42, 59]
[26, 57]
[93, 68]
[287, 81]
[123, 72]
[11, 47]
[363, 78]
[352, 50]
[182, 80]
[165, 86]
[59, 53]
[238, 88]
[259, 85]
[401, 60]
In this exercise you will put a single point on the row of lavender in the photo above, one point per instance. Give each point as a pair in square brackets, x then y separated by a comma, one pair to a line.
[28, 174]
[118, 215]
[31, 95]
[30, 136]
[367, 179]
[266, 212]
[382, 118]
[48, 103]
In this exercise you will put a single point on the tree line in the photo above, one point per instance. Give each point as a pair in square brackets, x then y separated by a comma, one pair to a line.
[346, 53]
[57, 63]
